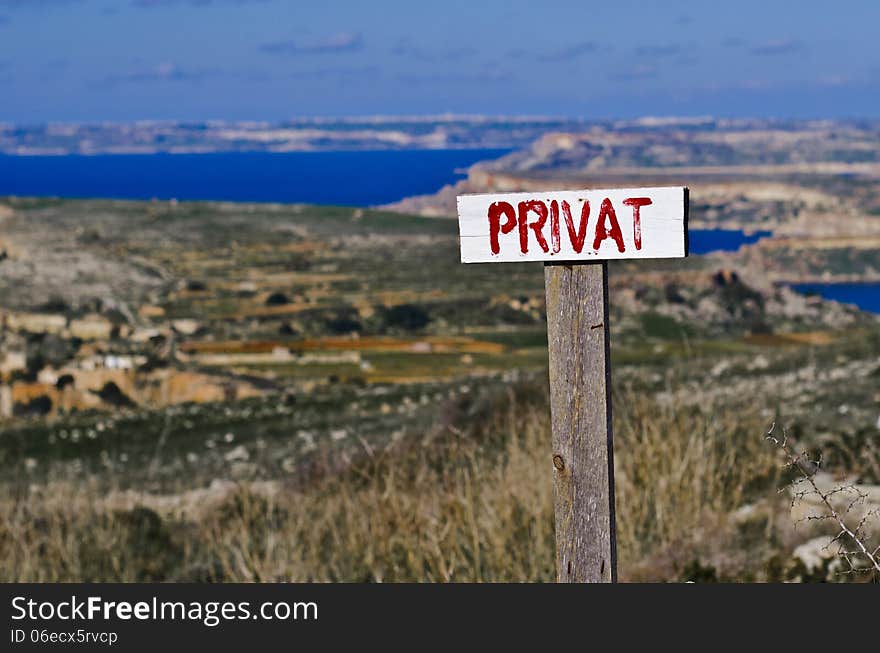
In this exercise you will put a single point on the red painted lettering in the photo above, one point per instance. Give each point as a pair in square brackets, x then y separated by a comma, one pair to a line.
[637, 203]
[496, 210]
[577, 238]
[607, 211]
[554, 227]
[541, 209]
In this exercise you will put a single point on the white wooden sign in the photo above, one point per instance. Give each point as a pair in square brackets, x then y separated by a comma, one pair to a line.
[581, 225]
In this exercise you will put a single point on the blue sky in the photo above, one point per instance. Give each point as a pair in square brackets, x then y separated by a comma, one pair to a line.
[93, 60]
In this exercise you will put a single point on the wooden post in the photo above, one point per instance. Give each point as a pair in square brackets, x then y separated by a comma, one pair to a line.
[575, 233]
[580, 411]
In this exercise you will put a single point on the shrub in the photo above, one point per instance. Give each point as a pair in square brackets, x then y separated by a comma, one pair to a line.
[409, 317]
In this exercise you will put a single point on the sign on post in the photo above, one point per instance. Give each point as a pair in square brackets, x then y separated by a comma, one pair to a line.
[584, 225]
[575, 233]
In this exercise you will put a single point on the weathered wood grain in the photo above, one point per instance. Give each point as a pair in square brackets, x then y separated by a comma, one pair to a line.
[580, 407]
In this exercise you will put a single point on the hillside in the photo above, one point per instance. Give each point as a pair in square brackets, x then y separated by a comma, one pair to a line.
[188, 380]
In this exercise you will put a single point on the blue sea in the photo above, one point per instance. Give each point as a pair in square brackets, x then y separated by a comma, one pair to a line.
[864, 295]
[704, 241]
[361, 178]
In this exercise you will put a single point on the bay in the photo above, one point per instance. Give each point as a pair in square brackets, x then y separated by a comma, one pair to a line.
[351, 178]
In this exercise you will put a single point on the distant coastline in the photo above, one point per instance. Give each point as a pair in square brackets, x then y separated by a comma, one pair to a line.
[301, 135]
[443, 132]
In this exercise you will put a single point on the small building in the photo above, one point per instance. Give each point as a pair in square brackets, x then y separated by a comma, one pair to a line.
[150, 311]
[186, 326]
[35, 322]
[12, 361]
[91, 327]
[5, 401]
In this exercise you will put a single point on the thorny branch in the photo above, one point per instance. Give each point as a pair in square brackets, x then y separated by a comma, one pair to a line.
[808, 469]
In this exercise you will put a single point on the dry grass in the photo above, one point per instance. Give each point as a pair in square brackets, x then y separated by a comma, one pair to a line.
[680, 473]
[473, 506]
